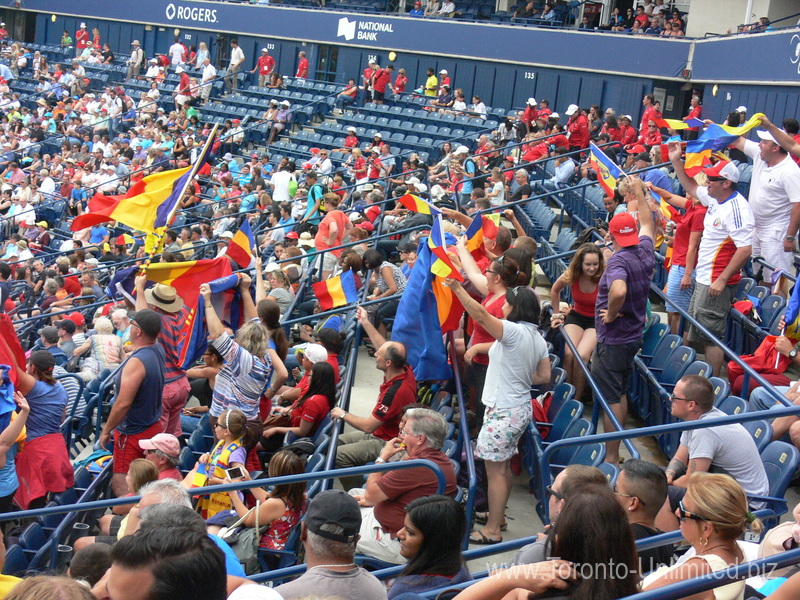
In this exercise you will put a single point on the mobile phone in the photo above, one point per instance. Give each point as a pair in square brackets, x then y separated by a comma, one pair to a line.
[234, 472]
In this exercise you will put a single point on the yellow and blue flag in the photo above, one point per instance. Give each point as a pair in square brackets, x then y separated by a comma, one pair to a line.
[608, 172]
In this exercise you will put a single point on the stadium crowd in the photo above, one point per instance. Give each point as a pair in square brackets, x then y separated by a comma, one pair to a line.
[79, 146]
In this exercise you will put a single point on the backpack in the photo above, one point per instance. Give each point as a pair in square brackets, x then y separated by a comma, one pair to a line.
[480, 177]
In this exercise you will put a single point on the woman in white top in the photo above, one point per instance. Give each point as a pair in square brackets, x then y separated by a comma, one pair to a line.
[517, 360]
[713, 516]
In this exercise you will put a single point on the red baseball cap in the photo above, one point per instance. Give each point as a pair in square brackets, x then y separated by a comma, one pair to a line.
[725, 169]
[623, 228]
[292, 235]
[77, 318]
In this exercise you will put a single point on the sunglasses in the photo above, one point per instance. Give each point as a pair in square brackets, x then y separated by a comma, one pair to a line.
[684, 514]
[618, 493]
[552, 493]
[673, 397]
[715, 179]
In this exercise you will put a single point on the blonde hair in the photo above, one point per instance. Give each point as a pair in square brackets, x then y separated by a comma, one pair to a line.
[356, 152]
[103, 325]
[254, 338]
[142, 472]
[46, 587]
[721, 501]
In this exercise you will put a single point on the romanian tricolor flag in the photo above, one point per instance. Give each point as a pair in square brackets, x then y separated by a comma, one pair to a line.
[240, 248]
[608, 173]
[149, 203]
[442, 266]
[714, 139]
[185, 277]
[337, 291]
[474, 235]
[419, 205]
[677, 124]
[228, 307]
[418, 322]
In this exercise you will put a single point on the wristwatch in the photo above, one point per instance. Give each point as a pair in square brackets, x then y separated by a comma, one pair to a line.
[789, 238]
[792, 353]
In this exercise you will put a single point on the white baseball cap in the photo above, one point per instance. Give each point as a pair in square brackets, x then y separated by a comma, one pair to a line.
[461, 150]
[742, 108]
[179, 70]
[443, 72]
[264, 50]
[571, 110]
[555, 115]
[532, 101]
[766, 136]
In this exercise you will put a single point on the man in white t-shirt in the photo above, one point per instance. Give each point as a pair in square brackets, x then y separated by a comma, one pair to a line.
[724, 249]
[727, 449]
[237, 58]
[280, 184]
[209, 74]
[176, 52]
[775, 199]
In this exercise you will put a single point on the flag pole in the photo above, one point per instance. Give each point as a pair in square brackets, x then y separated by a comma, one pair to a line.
[161, 231]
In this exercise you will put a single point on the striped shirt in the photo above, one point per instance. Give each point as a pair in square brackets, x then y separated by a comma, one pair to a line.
[241, 381]
[173, 332]
[728, 225]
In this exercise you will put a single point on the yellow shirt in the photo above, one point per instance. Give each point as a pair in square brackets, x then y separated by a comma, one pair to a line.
[7, 583]
[430, 86]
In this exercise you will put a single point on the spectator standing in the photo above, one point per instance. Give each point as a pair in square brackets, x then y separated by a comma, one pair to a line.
[264, 66]
[164, 300]
[135, 60]
[724, 249]
[774, 197]
[139, 385]
[620, 315]
[237, 58]
[302, 65]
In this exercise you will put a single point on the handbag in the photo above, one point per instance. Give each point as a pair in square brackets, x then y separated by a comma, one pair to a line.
[277, 420]
[244, 541]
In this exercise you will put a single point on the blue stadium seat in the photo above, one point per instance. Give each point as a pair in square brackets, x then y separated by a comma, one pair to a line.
[733, 405]
[761, 432]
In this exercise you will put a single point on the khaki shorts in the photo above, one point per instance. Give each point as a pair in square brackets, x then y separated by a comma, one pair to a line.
[710, 311]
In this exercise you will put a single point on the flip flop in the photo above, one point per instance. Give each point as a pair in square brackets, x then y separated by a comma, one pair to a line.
[482, 540]
[481, 518]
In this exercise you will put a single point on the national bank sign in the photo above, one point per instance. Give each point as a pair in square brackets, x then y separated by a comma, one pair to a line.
[362, 30]
[178, 12]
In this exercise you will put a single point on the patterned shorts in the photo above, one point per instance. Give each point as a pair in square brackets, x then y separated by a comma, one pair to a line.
[501, 431]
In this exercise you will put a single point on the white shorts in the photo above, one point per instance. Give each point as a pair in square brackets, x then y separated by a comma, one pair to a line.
[768, 244]
[376, 542]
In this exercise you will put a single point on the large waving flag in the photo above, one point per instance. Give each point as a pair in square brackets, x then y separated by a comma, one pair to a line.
[196, 340]
[714, 139]
[417, 325]
[150, 203]
[185, 277]
[442, 266]
[419, 205]
[240, 248]
[474, 235]
[337, 291]
[608, 173]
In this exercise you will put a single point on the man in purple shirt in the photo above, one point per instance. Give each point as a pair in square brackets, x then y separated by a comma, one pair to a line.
[622, 302]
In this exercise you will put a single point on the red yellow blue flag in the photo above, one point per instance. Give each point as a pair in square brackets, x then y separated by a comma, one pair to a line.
[608, 173]
[337, 291]
[240, 248]
[442, 266]
[419, 205]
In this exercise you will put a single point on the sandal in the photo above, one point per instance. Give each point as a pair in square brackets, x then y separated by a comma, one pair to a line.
[481, 517]
[482, 540]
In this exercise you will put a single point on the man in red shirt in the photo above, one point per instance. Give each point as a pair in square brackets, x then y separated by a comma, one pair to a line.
[332, 230]
[264, 65]
[388, 493]
[531, 114]
[627, 132]
[183, 93]
[302, 65]
[380, 82]
[81, 40]
[577, 128]
[695, 112]
[367, 77]
[398, 389]
[650, 112]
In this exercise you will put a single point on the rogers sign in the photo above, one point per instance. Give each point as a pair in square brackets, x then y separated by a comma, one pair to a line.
[190, 13]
